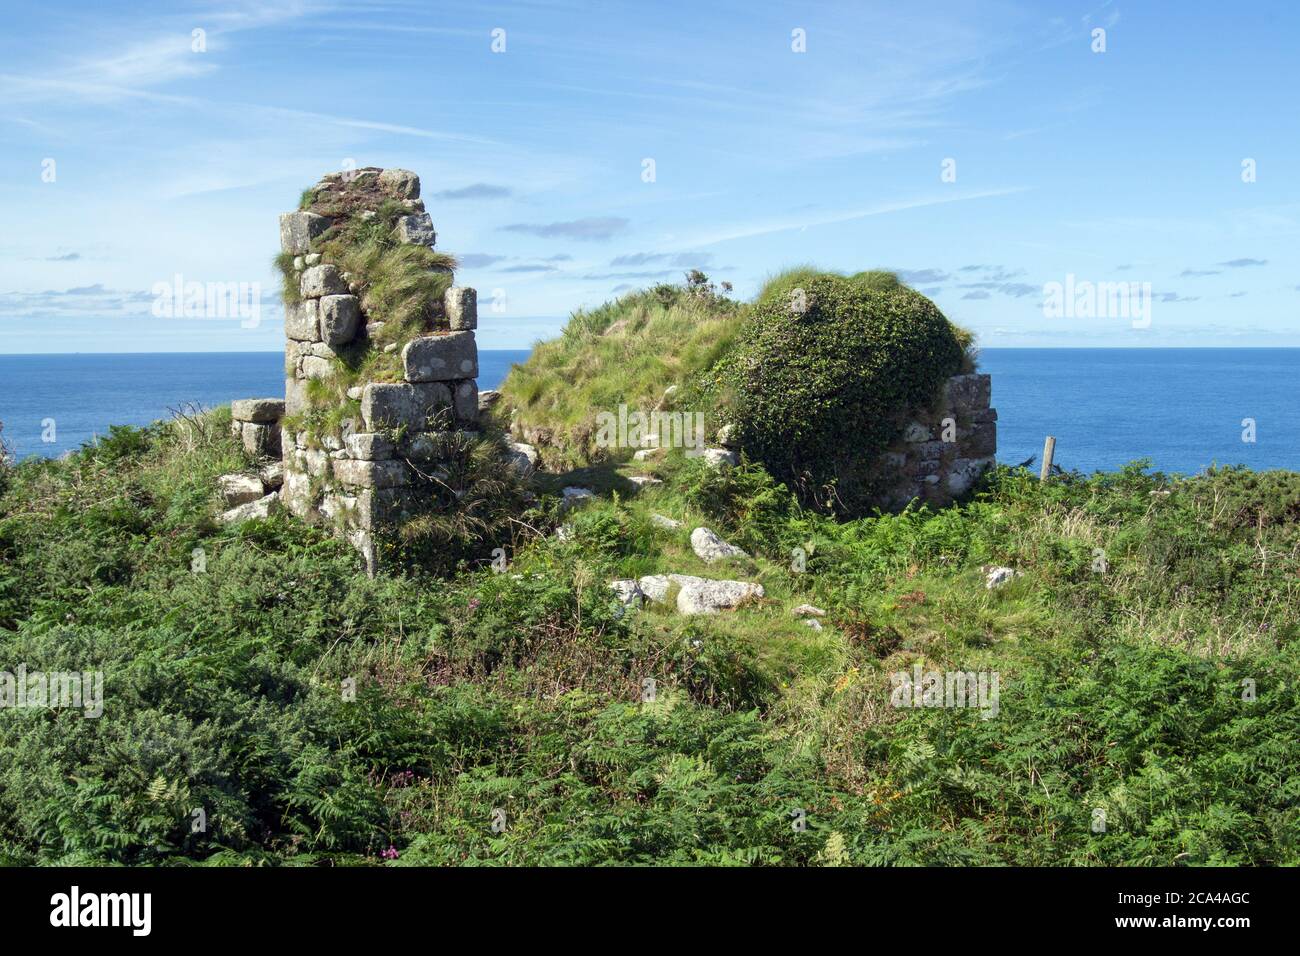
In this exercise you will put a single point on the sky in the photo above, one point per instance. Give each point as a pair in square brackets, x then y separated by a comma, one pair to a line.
[570, 152]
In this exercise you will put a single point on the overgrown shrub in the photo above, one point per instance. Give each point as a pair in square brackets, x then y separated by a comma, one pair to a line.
[821, 379]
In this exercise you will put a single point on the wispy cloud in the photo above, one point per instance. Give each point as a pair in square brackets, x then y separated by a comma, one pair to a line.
[768, 227]
[685, 260]
[596, 229]
[475, 191]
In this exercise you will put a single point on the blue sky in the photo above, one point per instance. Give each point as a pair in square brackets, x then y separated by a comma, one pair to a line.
[1123, 165]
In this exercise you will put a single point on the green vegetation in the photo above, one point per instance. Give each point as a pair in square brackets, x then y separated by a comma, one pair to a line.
[817, 375]
[1121, 679]
[824, 375]
[625, 352]
[400, 286]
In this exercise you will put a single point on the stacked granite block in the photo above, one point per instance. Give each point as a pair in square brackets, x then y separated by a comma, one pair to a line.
[256, 423]
[375, 469]
[944, 450]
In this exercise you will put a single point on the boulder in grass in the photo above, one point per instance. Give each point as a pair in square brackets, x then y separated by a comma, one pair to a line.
[523, 457]
[572, 497]
[703, 596]
[698, 595]
[663, 521]
[717, 457]
[627, 591]
[710, 547]
[996, 577]
[807, 610]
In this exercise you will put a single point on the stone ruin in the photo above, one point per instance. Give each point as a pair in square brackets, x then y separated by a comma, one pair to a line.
[363, 473]
[372, 468]
[944, 450]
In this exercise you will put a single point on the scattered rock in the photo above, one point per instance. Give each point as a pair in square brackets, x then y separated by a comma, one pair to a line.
[807, 610]
[663, 521]
[707, 545]
[261, 508]
[646, 454]
[239, 489]
[812, 622]
[523, 457]
[702, 596]
[998, 576]
[627, 590]
[699, 595]
[487, 399]
[574, 496]
[717, 457]
[654, 587]
[642, 481]
[727, 436]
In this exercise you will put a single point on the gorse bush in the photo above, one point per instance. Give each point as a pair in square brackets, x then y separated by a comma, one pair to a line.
[823, 375]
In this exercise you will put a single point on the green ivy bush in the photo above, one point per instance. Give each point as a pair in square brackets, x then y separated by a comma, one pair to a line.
[823, 376]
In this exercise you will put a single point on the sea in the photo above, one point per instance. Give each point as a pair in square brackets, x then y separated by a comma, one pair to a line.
[1181, 410]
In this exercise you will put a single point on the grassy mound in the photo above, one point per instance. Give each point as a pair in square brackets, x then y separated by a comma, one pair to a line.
[626, 352]
[1123, 682]
[815, 399]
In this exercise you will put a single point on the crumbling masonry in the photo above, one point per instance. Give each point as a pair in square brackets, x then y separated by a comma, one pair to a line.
[364, 471]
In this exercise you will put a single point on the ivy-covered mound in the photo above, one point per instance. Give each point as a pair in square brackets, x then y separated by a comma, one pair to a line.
[823, 377]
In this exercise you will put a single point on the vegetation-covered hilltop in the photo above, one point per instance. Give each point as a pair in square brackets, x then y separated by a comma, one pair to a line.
[502, 715]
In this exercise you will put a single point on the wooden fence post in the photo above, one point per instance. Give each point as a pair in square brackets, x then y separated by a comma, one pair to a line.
[1049, 449]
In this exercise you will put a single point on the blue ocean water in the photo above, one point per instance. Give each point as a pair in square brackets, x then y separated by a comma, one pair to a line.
[1181, 408]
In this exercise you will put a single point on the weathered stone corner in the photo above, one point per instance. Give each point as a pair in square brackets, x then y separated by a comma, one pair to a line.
[944, 451]
[366, 475]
